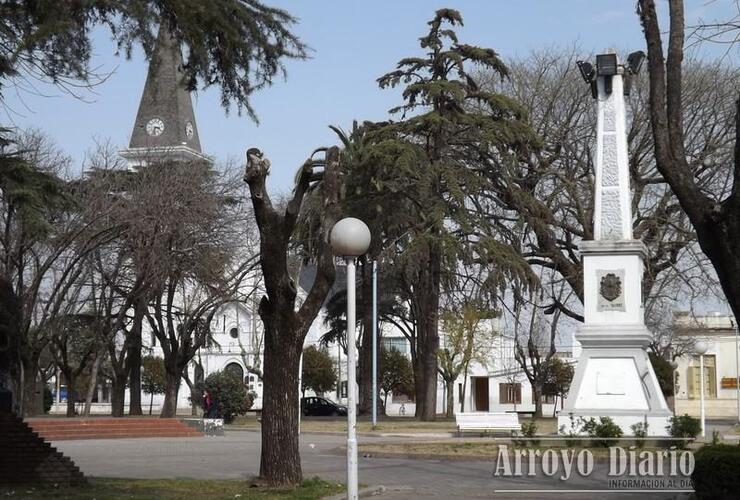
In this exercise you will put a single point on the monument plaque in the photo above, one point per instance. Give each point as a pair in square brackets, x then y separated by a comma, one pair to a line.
[611, 290]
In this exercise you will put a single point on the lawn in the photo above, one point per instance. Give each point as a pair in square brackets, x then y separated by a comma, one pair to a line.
[173, 489]
[469, 449]
[386, 425]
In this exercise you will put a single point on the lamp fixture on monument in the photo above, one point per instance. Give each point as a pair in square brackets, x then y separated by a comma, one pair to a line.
[350, 238]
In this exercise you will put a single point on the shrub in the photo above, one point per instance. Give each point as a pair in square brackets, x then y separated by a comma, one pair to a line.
[572, 433]
[529, 430]
[640, 430]
[604, 428]
[716, 472]
[684, 427]
[48, 399]
[229, 393]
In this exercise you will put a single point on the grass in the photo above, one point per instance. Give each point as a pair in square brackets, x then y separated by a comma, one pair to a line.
[386, 425]
[479, 449]
[173, 489]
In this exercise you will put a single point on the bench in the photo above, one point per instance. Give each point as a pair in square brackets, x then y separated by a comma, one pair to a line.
[481, 421]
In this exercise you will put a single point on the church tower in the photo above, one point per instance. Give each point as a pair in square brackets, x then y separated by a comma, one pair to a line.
[165, 127]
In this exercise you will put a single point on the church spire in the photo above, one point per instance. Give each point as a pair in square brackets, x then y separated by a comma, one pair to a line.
[165, 122]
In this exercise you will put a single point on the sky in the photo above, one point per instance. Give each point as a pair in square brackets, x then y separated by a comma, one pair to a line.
[353, 42]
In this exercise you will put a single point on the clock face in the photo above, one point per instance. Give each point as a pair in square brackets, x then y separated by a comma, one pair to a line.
[155, 127]
[189, 131]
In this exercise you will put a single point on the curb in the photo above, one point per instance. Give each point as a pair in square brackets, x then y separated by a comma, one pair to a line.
[369, 491]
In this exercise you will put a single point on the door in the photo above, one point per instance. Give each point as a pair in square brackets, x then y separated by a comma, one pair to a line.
[480, 388]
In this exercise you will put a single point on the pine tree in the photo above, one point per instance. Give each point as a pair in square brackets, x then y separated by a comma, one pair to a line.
[447, 123]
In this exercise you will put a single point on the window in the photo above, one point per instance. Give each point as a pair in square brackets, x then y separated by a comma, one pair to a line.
[234, 332]
[510, 393]
[236, 369]
[397, 343]
[693, 378]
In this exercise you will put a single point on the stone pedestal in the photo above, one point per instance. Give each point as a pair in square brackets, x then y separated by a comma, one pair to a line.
[614, 376]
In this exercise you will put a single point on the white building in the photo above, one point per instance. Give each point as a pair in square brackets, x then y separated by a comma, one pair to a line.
[720, 365]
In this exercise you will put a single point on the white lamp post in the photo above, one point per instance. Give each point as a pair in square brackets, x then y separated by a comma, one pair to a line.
[700, 348]
[674, 366]
[350, 238]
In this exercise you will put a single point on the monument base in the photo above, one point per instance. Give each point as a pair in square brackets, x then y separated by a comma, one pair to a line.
[614, 378]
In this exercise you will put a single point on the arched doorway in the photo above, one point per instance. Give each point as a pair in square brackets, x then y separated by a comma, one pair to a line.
[236, 369]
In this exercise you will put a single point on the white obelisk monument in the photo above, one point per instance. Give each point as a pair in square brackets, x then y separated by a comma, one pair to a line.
[614, 376]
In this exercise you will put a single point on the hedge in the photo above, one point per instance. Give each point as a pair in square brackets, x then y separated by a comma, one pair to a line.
[716, 474]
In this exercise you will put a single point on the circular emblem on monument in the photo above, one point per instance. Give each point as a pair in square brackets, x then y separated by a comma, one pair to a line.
[611, 286]
[189, 130]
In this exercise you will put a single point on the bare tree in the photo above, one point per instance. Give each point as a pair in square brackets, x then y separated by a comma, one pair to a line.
[285, 326]
[715, 213]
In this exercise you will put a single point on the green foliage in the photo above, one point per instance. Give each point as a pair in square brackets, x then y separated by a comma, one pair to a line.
[716, 472]
[48, 399]
[238, 45]
[229, 393]
[557, 375]
[319, 374]
[30, 195]
[529, 431]
[685, 427]
[153, 375]
[395, 374]
[640, 431]
[444, 106]
[664, 372]
[600, 431]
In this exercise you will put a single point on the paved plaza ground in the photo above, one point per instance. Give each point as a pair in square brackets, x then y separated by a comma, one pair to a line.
[236, 456]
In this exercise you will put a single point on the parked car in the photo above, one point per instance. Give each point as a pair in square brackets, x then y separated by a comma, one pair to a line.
[320, 407]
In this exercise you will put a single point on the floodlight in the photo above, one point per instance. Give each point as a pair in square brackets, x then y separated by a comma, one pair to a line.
[634, 61]
[587, 70]
[606, 64]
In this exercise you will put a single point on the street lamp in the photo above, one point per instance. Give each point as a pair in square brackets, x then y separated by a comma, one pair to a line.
[674, 366]
[700, 348]
[350, 238]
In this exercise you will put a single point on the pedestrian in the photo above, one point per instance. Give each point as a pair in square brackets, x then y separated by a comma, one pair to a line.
[207, 404]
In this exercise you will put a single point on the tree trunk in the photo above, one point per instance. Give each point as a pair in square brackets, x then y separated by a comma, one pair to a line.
[450, 389]
[418, 384]
[280, 461]
[171, 390]
[71, 396]
[537, 393]
[366, 348]
[33, 394]
[93, 384]
[151, 402]
[134, 358]
[117, 396]
[428, 307]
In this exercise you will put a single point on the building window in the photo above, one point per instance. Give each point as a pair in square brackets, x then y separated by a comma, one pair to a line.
[693, 378]
[399, 344]
[234, 332]
[510, 393]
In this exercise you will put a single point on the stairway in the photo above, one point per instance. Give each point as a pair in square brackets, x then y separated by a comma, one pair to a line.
[59, 429]
[25, 458]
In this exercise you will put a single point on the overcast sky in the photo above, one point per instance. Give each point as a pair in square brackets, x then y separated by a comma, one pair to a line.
[353, 42]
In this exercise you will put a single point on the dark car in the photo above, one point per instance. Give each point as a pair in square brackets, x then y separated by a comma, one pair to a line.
[320, 407]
